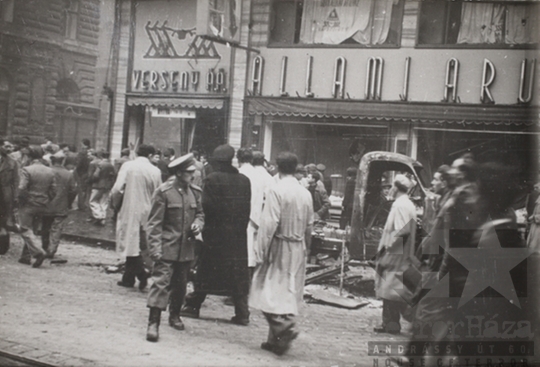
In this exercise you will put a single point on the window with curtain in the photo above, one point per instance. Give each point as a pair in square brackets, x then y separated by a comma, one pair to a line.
[336, 22]
[496, 23]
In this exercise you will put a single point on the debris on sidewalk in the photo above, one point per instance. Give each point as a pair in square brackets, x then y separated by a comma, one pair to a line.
[325, 268]
[329, 295]
[335, 300]
[118, 268]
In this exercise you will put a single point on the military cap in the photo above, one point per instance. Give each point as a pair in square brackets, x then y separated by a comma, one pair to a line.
[223, 153]
[321, 167]
[183, 163]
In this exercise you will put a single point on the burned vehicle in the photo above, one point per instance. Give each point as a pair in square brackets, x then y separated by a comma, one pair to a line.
[372, 203]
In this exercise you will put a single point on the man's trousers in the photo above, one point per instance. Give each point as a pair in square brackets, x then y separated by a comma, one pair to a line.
[99, 203]
[391, 312]
[241, 309]
[170, 282]
[51, 231]
[281, 329]
[134, 268]
[82, 193]
[30, 220]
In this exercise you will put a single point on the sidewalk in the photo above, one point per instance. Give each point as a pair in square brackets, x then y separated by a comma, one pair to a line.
[76, 227]
[75, 315]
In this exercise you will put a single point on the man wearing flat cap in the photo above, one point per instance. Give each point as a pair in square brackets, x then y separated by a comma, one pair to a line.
[223, 262]
[394, 249]
[175, 219]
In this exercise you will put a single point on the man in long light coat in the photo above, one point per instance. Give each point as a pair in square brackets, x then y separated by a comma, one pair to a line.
[399, 230]
[282, 245]
[258, 186]
[132, 192]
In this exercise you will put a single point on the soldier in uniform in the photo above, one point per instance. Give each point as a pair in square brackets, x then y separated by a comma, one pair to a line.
[175, 219]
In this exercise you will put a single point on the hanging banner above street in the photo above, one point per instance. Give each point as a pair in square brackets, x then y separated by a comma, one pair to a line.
[219, 19]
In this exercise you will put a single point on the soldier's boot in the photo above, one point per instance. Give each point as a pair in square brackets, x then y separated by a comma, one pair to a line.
[152, 333]
[174, 313]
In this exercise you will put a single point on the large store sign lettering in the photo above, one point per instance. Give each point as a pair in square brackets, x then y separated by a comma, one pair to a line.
[374, 79]
[178, 81]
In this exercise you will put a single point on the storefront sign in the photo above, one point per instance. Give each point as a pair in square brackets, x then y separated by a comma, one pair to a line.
[452, 72]
[173, 113]
[169, 56]
[219, 19]
[489, 70]
[283, 78]
[405, 93]
[340, 66]
[174, 81]
[256, 76]
[374, 79]
[523, 80]
[309, 93]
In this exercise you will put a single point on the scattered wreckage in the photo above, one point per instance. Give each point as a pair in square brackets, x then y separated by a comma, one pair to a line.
[344, 258]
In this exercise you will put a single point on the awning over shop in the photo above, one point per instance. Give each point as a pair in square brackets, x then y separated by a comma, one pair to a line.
[175, 101]
[463, 114]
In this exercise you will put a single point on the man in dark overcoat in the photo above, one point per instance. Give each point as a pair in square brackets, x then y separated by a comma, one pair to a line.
[175, 219]
[223, 265]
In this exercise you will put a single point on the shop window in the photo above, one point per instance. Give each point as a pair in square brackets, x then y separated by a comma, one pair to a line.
[336, 22]
[71, 18]
[6, 10]
[493, 23]
[68, 91]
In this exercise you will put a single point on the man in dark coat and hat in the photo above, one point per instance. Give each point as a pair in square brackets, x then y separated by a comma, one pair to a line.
[223, 265]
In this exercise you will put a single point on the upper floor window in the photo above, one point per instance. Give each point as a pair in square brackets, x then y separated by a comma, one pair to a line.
[6, 10]
[493, 23]
[336, 22]
[71, 18]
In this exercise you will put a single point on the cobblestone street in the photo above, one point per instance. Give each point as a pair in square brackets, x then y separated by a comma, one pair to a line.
[75, 314]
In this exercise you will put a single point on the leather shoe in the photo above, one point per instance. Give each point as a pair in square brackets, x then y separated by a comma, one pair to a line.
[25, 261]
[189, 311]
[39, 260]
[176, 322]
[240, 321]
[122, 284]
[384, 330]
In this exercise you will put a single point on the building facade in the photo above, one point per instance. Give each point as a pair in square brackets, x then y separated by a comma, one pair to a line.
[50, 87]
[174, 87]
[430, 79]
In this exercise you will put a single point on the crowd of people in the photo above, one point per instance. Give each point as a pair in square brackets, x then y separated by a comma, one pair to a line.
[246, 231]
[470, 206]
